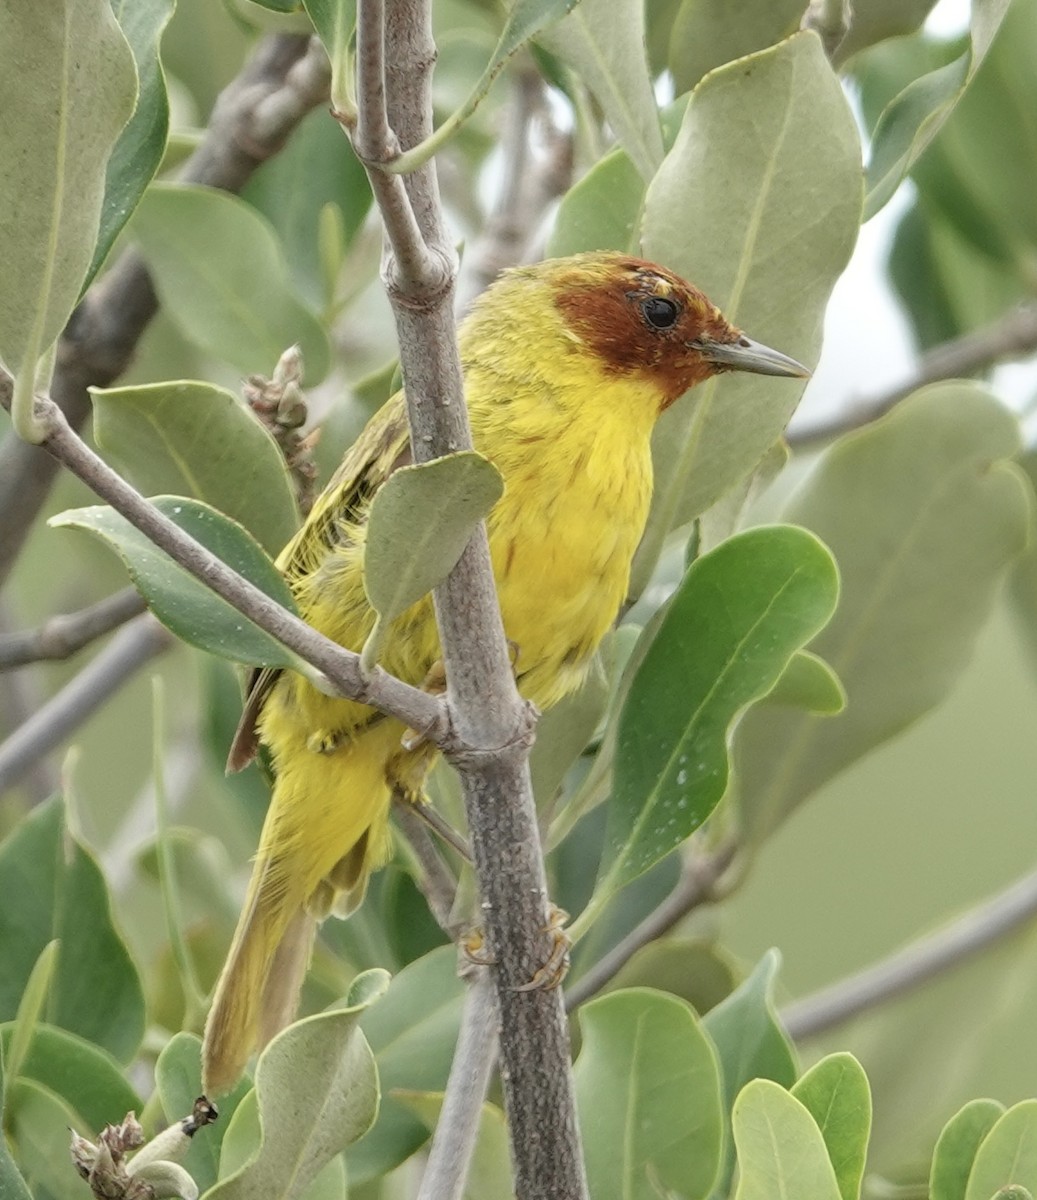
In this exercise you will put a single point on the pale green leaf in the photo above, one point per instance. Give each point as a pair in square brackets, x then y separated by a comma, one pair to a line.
[768, 160]
[648, 1097]
[196, 439]
[780, 1149]
[956, 1148]
[914, 117]
[67, 87]
[876, 20]
[1007, 1155]
[30, 1008]
[808, 682]
[946, 516]
[489, 1173]
[334, 21]
[418, 526]
[836, 1094]
[12, 1183]
[180, 602]
[601, 210]
[38, 1123]
[704, 36]
[138, 152]
[604, 42]
[222, 277]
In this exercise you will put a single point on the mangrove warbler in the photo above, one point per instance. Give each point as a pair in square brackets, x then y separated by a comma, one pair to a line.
[567, 366]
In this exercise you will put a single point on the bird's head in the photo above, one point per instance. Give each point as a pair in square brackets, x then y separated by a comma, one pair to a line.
[639, 318]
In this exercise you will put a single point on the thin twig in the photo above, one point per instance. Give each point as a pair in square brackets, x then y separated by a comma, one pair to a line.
[437, 881]
[977, 929]
[1011, 336]
[128, 651]
[286, 78]
[342, 672]
[696, 886]
[458, 1127]
[62, 636]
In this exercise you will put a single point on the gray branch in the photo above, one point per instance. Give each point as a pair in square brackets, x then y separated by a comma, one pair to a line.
[916, 964]
[47, 728]
[1011, 336]
[288, 76]
[62, 636]
[394, 62]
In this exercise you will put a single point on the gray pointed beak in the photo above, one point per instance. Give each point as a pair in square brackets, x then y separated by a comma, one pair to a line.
[747, 355]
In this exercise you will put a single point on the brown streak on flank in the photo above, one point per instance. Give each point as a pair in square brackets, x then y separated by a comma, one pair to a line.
[509, 558]
[601, 304]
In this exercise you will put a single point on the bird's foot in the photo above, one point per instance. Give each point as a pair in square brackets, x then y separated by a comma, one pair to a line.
[555, 969]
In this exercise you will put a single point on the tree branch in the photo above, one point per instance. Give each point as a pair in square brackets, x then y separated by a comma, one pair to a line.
[288, 76]
[1011, 336]
[62, 636]
[82, 696]
[696, 886]
[458, 1126]
[988, 922]
[486, 710]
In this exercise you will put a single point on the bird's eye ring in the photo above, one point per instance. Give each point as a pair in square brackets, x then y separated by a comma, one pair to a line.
[659, 312]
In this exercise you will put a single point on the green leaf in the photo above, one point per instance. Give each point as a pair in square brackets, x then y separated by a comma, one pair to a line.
[180, 602]
[222, 277]
[1007, 1155]
[178, 1079]
[38, 1125]
[489, 1174]
[412, 1032]
[53, 889]
[876, 20]
[945, 516]
[836, 1094]
[83, 1075]
[697, 971]
[914, 117]
[12, 1183]
[780, 1148]
[418, 526]
[600, 211]
[808, 682]
[317, 1092]
[138, 152]
[196, 439]
[750, 1041]
[319, 154]
[957, 1145]
[704, 36]
[1023, 588]
[563, 733]
[30, 1007]
[67, 86]
[604, 43]
[740, 614]
[334, 21]
[648, 1095]
[764, 140]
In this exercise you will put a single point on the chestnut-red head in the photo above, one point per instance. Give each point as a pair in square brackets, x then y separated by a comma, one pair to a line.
[640, 318]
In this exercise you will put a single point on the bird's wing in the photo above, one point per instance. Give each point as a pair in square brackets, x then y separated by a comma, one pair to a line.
[381, 448]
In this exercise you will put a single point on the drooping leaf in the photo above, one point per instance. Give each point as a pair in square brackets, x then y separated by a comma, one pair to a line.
[195, 439]
[53, 889]
[138, 152]
[648, 1095]
[836, 1094]
[179, 601]
[780, 1148]
[957, 1145]
[705, 37]
[222, 277]
[729, 633]
[604, 42]
[67, 87]
[914, 117]
[317, 1092]
[946, 515]
[1007, 1155]
[418, 526]
[412, 1032]
[763, 140]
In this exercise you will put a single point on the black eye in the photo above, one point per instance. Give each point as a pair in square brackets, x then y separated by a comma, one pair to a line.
[659, 312]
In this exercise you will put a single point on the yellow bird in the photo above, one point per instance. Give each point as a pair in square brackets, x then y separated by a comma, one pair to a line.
[567, 366]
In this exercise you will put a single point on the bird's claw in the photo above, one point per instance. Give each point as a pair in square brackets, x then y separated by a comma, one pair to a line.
[555, 969]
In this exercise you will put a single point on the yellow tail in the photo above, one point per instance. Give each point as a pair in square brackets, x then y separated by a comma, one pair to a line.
[325, 832]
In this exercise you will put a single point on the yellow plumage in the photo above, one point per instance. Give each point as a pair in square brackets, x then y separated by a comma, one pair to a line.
[565, 375]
